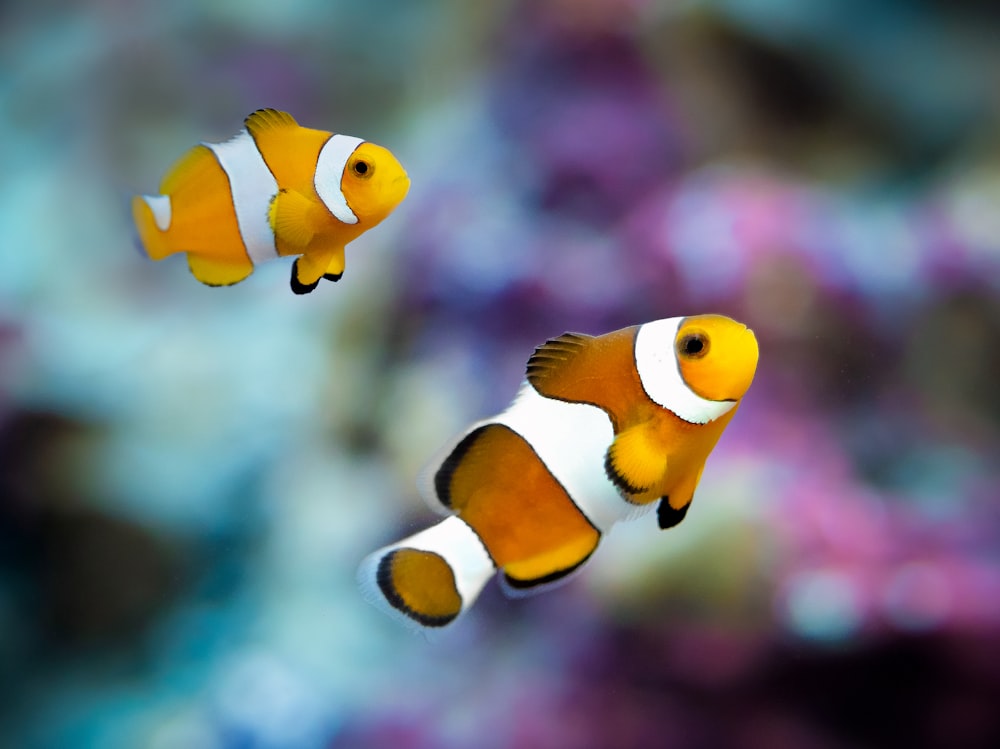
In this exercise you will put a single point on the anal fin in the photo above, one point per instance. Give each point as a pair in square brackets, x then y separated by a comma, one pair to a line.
[214, 271]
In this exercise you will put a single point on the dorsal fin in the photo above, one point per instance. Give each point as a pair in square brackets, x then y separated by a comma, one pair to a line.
[554, 357]
[599, 370]
[268, 119]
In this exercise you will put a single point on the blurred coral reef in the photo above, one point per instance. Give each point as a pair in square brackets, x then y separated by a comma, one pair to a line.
[189, 476]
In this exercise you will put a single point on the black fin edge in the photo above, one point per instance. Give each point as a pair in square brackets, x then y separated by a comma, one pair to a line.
[667, 516]
[333, 276]
[297, 286]
[262, 110]
[617, 479]
[552, 577]
[384, 579]
[442, 476]
[567, 343]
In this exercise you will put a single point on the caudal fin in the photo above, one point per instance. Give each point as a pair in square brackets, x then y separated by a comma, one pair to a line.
[152, 216]
[430, 578]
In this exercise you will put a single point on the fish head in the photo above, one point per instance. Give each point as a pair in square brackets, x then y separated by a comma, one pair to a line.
[716, 355]
[374, 182]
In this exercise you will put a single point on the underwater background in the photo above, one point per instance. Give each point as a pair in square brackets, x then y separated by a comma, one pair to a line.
[189, 476]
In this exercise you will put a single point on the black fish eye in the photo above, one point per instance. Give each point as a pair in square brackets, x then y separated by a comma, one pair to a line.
[362, 168]
[693, 345]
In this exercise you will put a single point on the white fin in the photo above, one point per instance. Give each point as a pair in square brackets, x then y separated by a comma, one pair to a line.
[160, 206]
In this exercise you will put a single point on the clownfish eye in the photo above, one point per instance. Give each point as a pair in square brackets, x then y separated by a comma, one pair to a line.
[693, 346]
[362, 168]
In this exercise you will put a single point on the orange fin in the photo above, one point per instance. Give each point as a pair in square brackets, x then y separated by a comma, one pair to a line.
[153, 239]
[297, 286]
[554, 360]
[599, 370]
[292, 216]
[421, 585]
[635, 463]
[310, 266]
[262, 121]
[190, 167]
[673, 508]
[214, 271]
[429, 578]
[336, 267]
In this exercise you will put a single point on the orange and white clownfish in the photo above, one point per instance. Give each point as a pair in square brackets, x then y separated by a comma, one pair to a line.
[604, 428]
[274, 189]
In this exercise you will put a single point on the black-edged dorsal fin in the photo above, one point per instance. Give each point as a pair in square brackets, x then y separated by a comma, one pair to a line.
[553, 358]
[264, 120]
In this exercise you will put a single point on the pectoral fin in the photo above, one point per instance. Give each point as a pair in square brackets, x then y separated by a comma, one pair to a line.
[635, 462]
[292, 216]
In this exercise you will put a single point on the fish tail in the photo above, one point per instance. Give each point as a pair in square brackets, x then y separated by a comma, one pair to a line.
[430, 578]
[152, 216]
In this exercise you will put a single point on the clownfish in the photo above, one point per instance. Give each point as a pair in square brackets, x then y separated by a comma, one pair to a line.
[602, 429]
[275, 189]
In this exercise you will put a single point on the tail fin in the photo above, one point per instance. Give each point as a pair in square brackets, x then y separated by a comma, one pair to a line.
[430, 578]
[151, 214]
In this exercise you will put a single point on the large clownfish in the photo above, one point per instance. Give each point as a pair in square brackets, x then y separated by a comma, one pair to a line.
[603, 428]
[274, 189]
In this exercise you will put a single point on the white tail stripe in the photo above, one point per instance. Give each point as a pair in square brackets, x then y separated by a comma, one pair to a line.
[330, 165]
[160, 206]
[571, 439]
[253, 187]
[660, 374]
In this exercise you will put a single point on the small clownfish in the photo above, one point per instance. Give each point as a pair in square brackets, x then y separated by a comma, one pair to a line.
[274, 189]
[604, 428]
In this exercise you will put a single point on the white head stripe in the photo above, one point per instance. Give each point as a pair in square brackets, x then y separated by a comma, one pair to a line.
[330, 167]
[660, 374]
[160, 206]
[253, 187]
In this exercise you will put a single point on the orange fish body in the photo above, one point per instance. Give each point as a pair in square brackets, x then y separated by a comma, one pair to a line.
[604, 428]
[275, 189]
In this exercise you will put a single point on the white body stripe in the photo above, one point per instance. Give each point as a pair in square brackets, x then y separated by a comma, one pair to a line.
[330, 167]
[160, 206]
[656, 363]
[571, 439]
[253, 188]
